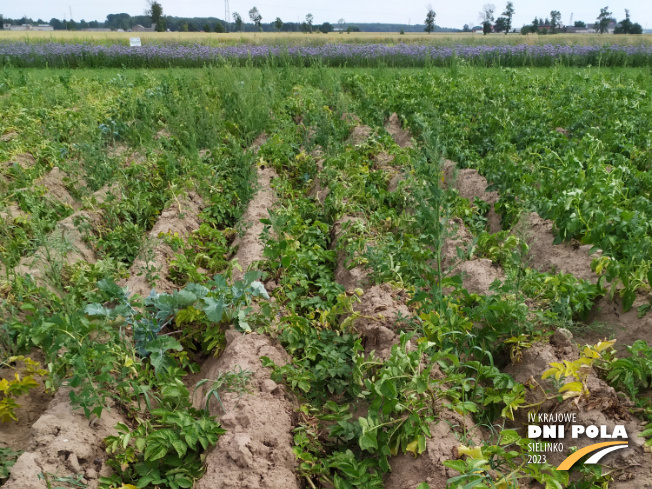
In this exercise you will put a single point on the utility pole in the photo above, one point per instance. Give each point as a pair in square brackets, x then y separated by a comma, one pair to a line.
[226, 15]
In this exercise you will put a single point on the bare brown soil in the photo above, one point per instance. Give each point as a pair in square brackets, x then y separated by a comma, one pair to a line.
[608, 319]
[258, 142]
[347, 276]
[250, 246]
[15, 434]
[381, 308]
[401, 136]
[256, 451]
[470, 184]
[11, 212]
[151, 269]
[317, 191]
[54, 182]
[66, 243]
[478, 275]
[458, 237]
[546, 257]
[359, 135]
[5, 138]
[447, 435]
[24, 160]
[63, 442]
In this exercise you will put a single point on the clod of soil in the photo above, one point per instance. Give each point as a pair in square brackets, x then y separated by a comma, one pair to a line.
[359, 134]
[626, 327]
[53, 182]
[25, 161]
[382, 161]
[546, 257]
[478, 275]
[349, 278]
[258, 142]
[117, 150]
[8, 137]
[11, 212]
[65, 243]
[401, 137]
[317, 191]
[459, 237]
[15, 434]
[250, 246]
[408, 472]
[256, 452]
[65, 443]
[380, 309]
[470, 184]
[154, 259]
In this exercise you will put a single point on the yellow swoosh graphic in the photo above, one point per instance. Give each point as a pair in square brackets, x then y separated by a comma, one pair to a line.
[571, 459]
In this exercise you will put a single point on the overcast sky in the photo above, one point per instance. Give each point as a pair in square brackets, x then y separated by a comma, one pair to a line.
[449, 14]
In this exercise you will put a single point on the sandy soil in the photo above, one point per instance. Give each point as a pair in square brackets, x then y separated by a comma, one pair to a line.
[181, 218]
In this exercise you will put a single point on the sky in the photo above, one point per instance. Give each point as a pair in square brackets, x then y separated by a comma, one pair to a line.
[449, 14]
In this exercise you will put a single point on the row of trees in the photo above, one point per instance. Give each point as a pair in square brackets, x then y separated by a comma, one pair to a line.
[551, 24]
[154, 16]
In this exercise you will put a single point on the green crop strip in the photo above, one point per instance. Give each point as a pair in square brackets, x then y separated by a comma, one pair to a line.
[357, 411]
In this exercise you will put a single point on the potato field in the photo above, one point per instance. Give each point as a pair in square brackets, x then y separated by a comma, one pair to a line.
[302, 277]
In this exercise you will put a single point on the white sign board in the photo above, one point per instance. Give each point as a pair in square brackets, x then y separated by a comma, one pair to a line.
[134, 41]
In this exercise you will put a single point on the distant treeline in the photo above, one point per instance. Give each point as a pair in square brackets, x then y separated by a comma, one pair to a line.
[214, 24]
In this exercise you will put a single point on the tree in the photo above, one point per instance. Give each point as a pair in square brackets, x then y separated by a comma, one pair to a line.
[508, 14]
[535, 25]
[185, 27]
[219, 27]
[430, 20]
[255, 17]
[466, 28]
[602, 22]
[237, 20]
[278, 24]
[340, 25]
[579, 23]
[2, 21]
[156, 13]
[487, 17]
[309, 19]
[626, 26]
[636, 28]
[326, 27]
[207, 28]
[555, 20]
[501, 25]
